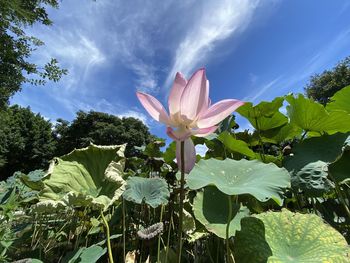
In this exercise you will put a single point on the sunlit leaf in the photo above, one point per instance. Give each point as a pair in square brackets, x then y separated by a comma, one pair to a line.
[263, 181]
[265, 115]
[288, 237]
[340, 101]
[89, 176]
[312, 116]
[235, 145]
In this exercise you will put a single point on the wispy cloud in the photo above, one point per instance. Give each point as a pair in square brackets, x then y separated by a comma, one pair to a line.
[216, 21]
[295, 79]
[116, 47]
[262, 90]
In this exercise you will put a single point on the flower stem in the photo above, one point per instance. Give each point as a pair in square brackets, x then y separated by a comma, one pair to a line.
[182, 196]
[124, 229]
[168, 240]
[340, 195]
[108, 238]
[228, 229]
[160, 235]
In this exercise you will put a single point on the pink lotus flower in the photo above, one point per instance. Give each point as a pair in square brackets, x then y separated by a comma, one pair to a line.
[190, 112]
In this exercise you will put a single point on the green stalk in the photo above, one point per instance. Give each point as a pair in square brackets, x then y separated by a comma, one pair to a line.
[159, 236]
[261, 152]
[109, 248]
[228, 228]
[340, 195]
[182, 195]
[168, 240]
[124, 229]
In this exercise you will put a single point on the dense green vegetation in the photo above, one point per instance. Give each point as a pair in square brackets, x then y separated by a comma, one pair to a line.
[323, 86]
[28, 141]
[249, 198]
[102, 129]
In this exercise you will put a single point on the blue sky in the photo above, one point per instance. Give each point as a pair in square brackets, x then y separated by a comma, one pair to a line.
[253, 50]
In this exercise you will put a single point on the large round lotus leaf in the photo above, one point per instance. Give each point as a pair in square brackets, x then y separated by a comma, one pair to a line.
[88, 176]
[288, 237]
[153, 191]
[263, 181]
[340, 101]
[211, 208]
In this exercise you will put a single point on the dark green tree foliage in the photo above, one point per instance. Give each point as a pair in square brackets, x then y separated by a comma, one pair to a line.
[16, 46]
[323, 86]
[102, 129]
[26, 141]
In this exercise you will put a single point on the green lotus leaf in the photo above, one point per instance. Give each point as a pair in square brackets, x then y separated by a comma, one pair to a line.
[193, 237]
[263, 181]
[48, 206]
[280, 134]
[170, 153]
[312, 116]
[189, 224]
[86, 254]
[288, 237]
[153, 191]
[236, 145]
[211, 208]
[33, 179]
[340, 101]
[263, 109]
[267, 123]
[339, 169]
[265, 115]
[309, 164]
[313, 179]
[92, 176]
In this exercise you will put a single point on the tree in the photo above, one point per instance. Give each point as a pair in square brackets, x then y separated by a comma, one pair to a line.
[26, 141]
[102, 129]
[16, 46]
[323, 86]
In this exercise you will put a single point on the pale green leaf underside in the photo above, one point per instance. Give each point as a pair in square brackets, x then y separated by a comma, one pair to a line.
[263, 181]
[152, 191]
[88, 176]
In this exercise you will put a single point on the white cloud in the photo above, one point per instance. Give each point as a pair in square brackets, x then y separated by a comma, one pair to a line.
[139, 40]
[217, 21]
[136, 115]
